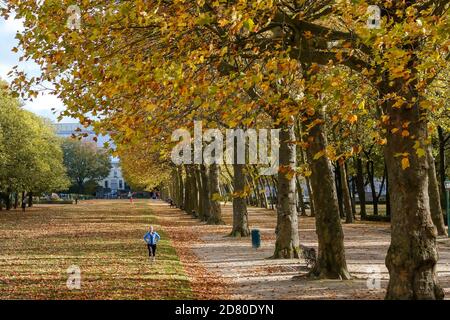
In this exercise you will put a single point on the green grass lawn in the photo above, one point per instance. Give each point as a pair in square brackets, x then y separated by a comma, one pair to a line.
[102, 238]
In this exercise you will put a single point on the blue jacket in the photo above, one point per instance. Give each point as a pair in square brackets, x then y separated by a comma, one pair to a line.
[151, 238]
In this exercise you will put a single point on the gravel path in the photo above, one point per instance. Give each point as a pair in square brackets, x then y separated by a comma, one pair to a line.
[246, 273]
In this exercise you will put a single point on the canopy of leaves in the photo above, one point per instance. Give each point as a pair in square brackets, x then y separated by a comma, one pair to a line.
[147, 67]
[30, 152]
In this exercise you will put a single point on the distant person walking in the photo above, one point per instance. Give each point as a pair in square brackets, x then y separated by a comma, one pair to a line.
[130, 196]
[151, 238]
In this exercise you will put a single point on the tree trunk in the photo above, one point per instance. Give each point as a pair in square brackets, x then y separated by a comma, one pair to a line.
[360, 188]
[188, 200]
[30, 199]
[8, 203]
[433, 193]
[352, 186]
[215, 216]
[331, 254]
[205, 194]
[176, 186]
[303, 162]
[254, 199]
[339, 194]
[240, 214]
[301, 199]
[275, 191]
[80, 183]
[371, 174]
[442, 164]
[199, 193]
[194, 192]
[383, 181]
[287, 242]
[261, 194]
[311, 197]
[301, 207]
[265, 203]
[24, 203]
[16, 200]
[173, 186]
[181, 195]
[412, 255]
[388, 196]
[345, 193]
[271, 191]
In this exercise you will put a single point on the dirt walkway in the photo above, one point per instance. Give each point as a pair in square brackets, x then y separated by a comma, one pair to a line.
[223, 267]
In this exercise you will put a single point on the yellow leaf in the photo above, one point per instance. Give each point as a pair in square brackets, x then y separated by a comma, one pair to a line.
[290, 174]
[405, 163]
[398, 104]
[319, 155]
[384, 118]
[223, 22]
[426, 104]
[307, 173]
[420, 152]
[215, 197]
[352, 118]
[249, 24]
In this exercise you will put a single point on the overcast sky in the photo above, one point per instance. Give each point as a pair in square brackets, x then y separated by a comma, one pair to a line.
[8, 59]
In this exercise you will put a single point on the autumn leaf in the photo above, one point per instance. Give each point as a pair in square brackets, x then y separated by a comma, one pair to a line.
[420, 152]
[249, 24]
[352, 118]
[319, 155]
[405, 163]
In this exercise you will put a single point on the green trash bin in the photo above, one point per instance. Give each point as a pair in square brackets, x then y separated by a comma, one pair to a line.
[256, 239]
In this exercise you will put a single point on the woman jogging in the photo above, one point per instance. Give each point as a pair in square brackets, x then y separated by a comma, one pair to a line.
[151, 238]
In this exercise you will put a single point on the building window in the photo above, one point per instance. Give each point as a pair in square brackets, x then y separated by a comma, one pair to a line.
[106, 184]
[120, 184]
[115, 174]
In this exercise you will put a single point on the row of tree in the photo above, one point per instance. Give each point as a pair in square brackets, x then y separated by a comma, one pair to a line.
[34, 160]
[31, 160]
[331, 75]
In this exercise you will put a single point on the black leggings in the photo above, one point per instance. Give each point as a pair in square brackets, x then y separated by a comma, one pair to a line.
[151, 249]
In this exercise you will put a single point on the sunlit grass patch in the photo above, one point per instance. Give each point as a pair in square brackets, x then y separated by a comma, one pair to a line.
[102, 238]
